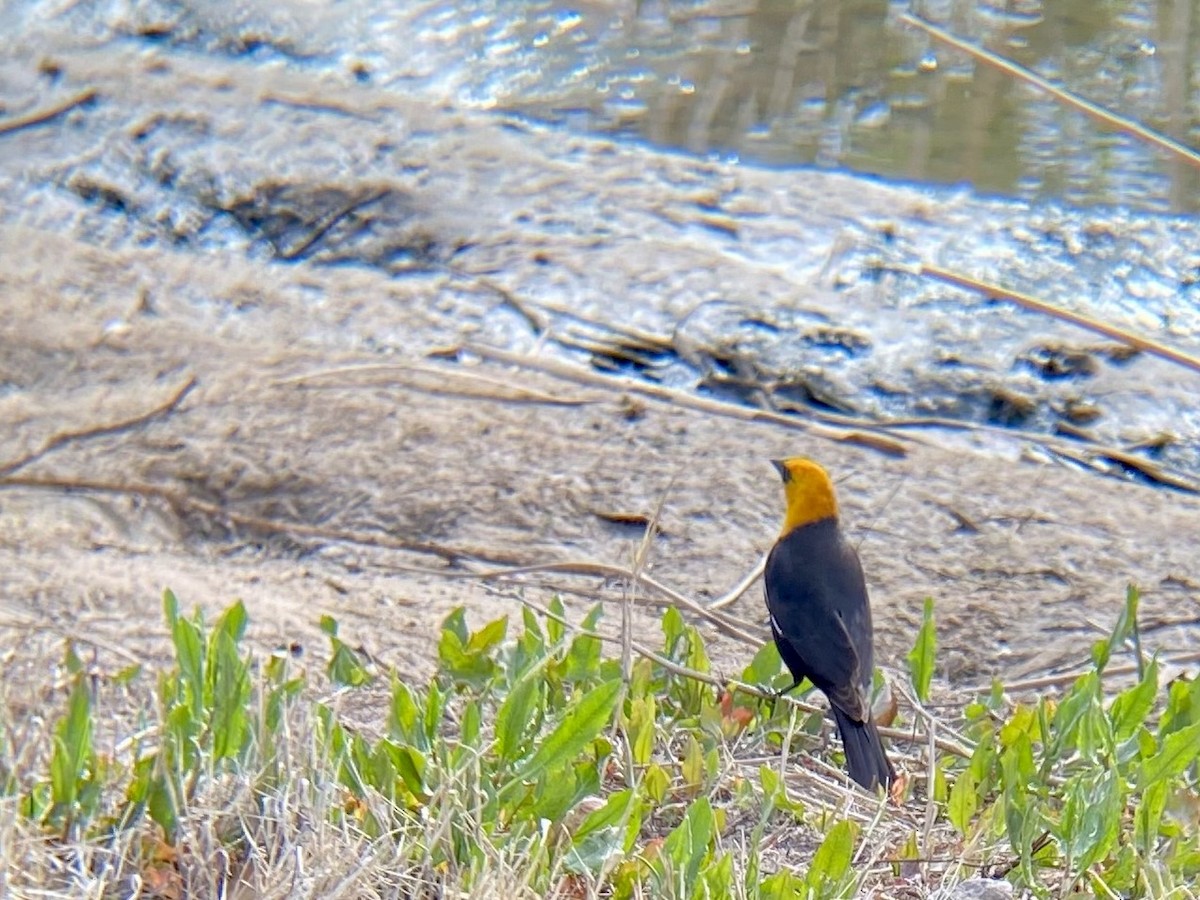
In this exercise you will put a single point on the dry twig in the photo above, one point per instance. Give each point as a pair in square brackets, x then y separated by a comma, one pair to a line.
[1093, 111]
[92, 431]
[50, 113]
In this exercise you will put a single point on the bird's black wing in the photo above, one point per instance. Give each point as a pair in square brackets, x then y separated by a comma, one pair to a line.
[820, 615]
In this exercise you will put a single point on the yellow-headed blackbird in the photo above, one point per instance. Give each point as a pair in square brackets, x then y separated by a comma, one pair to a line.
[821, 617]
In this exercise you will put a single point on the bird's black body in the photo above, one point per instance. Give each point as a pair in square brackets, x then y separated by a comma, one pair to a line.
[821, 622]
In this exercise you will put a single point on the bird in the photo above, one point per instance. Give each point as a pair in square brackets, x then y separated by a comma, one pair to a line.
[821, 615]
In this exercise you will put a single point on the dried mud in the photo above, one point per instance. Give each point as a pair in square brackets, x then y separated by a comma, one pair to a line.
[335, 457]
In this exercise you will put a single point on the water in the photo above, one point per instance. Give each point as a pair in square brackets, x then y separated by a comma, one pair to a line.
[847, 85]
[746, 269]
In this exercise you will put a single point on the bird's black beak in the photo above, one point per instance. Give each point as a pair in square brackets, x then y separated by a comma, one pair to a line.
[784, 473]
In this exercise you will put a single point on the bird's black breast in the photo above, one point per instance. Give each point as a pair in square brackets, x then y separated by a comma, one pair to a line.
[817, 598]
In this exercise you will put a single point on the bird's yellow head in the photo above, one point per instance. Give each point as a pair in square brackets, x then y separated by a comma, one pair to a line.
[808, 491]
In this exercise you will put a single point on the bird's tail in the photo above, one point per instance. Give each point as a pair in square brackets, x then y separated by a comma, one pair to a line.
[865, 758]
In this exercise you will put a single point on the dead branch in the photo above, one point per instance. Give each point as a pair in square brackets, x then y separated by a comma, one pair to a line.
[1092, 110]
[42, 116]
[92, 431]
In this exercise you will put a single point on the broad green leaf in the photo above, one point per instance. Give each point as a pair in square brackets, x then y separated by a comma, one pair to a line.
[1080, 721]
[783, 885]
[1129, 711]
[233, 622]
[1179, 750]
[489, 636]
[557, 790]
[776, 794]
[830, 868]
[170, 607]
[404, 714]
[1183, 706]
[230, 678]
[605, 832]
[964, 801]
[410, 766]
[642, 728]
[1022, 723]
[1127, 621]
[345, 668]
[1091, 817]
[765, 666]
[516, 717]
[686, 847]
[456, 624]
[923, 656]
[692, 766]
[1148, 817]
[555, 630]
[618, 805]
[189, 655]
[463, 666]
[716, 878]
[585, 718]
[583, 659]
[655, 783]
[472, 720]
[72, 747]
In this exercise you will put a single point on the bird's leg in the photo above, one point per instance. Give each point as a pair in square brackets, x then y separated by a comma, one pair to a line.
[776, 695]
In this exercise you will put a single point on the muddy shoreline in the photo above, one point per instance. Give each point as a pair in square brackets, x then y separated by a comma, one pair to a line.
[331, 394]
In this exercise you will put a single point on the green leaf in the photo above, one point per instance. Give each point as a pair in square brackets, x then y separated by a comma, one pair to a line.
[1080, 721]
[556, 791]
[775, 792]
[716, 879]
[229, 725]
[1179, 750]
[583, 659]
[964, 801]
[329, 625]
[515, 721]
[345, 668]
[456, 624]
[655, 783]
[606, 832]
[463, 665]
[170, 607]
[830, 868]
[642, 729]
[472, 719]
[1091, 817]
[233, 622]
[1127, 621]
[923, 656]
[189, 656]
[1021, 818]
[783, 885]
[585, 718]
[404, 715]
[435, 705]
[1183, 706]
[614, 811]
[1148, 817]
[686, 846]
[692, 767]
[489, 636]
[410, 766]
[765, 666]
[555, 630]
[1129, 711]
[72, 748]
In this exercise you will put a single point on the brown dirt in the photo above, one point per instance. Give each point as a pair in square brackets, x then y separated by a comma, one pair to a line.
[397, 454]
[317, 403]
